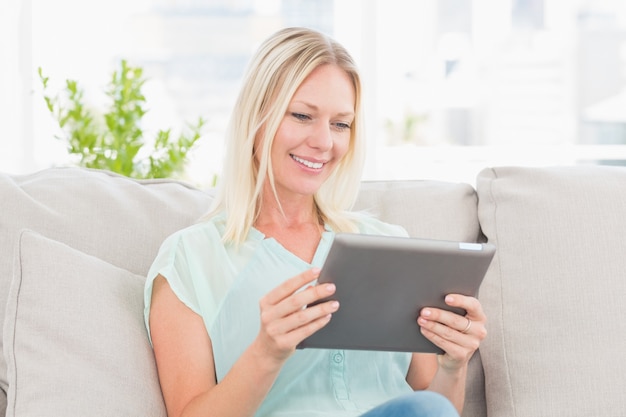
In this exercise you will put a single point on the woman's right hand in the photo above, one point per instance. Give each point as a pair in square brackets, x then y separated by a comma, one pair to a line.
[286, 318]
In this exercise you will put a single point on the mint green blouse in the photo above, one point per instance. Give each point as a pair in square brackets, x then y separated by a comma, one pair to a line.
[223, 284]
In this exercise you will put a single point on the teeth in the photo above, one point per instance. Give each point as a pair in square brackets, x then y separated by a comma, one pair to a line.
[314, 165]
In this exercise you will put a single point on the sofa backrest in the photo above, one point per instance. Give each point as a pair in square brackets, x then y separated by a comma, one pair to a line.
[554, 295]
[430, 209]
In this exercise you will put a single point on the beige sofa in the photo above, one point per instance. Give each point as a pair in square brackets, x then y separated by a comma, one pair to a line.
[75, 245]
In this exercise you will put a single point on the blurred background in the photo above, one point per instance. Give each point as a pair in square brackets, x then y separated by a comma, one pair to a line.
[451, 86]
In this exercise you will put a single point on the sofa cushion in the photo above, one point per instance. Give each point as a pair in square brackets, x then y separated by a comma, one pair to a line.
[3, 402]
[119, 220]
[554, 294]
[428, 209]
[75, 341]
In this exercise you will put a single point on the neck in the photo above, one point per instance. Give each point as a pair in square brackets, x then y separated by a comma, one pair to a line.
[292, 212]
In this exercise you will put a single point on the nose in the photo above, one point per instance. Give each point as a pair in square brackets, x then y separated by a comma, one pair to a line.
[322, 137]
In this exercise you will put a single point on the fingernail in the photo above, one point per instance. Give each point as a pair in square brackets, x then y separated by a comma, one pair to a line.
[330, 287]
[315, 270]
[426, 312]
[335, 305]
[449, 299]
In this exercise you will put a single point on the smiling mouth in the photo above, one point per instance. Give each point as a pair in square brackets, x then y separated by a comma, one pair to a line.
[308, 164]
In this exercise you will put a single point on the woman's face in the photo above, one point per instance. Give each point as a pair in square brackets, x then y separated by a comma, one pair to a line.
[315, 132]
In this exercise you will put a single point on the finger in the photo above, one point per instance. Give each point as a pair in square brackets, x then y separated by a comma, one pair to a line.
[301, 318]
[447, 318]
[273, 315]
[455, 323]
[456, 354]
[471, 305]
[299, 300]
[290, 286]
[456, 344]
[468, 326]
[309, 328]
[446, 330]
[296, 336]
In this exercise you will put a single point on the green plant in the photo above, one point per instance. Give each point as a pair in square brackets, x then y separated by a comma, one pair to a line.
[115, 141]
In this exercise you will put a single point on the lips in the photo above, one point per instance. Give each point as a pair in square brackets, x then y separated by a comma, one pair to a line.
[308, 164]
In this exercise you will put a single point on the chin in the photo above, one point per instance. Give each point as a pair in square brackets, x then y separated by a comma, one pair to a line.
[309, 189]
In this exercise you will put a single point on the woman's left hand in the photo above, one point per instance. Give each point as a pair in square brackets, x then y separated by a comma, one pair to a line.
[459, 336]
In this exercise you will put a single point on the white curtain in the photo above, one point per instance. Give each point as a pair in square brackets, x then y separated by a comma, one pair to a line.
[16, 86]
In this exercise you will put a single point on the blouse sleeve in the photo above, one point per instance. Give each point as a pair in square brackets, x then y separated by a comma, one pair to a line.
[193, 263]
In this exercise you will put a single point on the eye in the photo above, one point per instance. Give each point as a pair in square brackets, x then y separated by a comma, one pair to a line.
[301, 116]
[341, 126]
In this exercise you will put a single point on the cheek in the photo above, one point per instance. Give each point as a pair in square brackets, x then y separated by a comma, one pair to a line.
[284, 137]
[342, 145]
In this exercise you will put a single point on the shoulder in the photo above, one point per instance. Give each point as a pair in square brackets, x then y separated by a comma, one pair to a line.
[192, 261]
[187, 244]
[370, 225]
[207, 230]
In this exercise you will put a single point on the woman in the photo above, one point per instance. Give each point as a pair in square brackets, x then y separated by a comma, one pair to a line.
[226, 298]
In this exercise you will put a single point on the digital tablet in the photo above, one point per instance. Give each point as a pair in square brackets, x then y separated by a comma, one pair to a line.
[383, 282]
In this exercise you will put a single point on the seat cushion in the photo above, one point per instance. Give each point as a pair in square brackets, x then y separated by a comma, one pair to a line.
[554, 292]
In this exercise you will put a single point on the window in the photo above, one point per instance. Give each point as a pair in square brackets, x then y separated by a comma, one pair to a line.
[452, 86]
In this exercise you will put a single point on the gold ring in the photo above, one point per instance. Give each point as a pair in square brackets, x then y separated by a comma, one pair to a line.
[467, 328]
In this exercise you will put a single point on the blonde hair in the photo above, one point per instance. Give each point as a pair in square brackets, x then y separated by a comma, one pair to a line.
[278, 68]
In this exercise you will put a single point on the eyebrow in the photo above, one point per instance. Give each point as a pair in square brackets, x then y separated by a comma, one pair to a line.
[315, 108]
